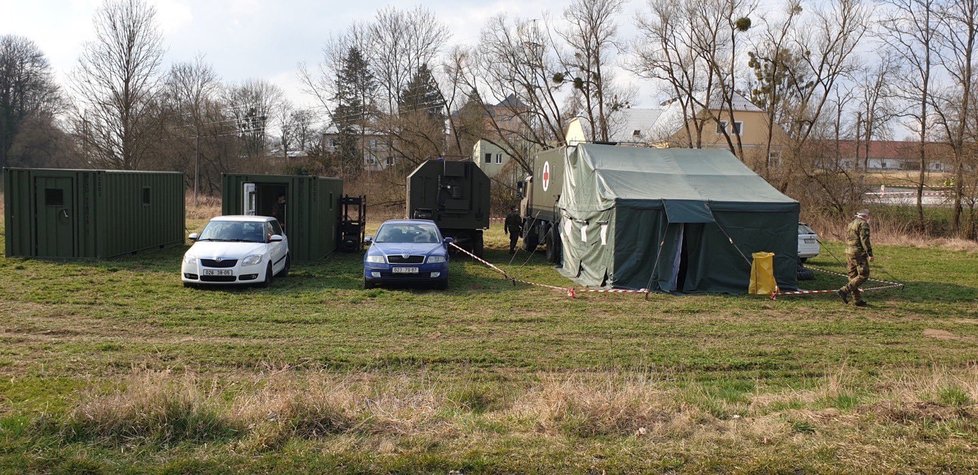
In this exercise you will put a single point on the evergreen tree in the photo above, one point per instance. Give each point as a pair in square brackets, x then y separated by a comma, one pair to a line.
[422, 94]
[355, 91]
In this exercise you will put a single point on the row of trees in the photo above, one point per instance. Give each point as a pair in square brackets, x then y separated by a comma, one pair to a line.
[124, 110]
[843, 70]
[394, 88]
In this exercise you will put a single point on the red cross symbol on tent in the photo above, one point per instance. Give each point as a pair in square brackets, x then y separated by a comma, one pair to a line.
[546, 175]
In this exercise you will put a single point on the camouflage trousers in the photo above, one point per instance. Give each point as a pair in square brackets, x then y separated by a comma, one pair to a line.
[858, 270]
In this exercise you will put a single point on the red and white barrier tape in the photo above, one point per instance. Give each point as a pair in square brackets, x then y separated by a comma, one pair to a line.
[571, 291]
[887, 284]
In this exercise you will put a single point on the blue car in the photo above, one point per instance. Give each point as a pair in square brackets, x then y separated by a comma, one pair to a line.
[407, 251]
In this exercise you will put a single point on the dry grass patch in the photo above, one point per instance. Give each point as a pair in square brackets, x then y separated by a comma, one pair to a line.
[604, 406]
[939, 334]
[154, 406]
[207, 206]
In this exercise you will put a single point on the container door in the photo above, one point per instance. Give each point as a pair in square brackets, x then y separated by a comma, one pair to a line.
[250, 199]
[55, 215]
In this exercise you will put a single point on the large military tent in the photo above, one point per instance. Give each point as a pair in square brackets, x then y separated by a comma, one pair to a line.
[670, 219]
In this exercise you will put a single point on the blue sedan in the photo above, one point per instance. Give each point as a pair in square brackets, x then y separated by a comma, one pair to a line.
[407, 251]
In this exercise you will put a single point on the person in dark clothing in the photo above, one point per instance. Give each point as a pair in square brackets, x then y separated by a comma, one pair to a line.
[514, 227]
[278, 211]
[859, 253]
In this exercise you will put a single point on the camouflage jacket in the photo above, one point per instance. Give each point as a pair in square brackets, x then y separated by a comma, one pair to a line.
[857, 239]
[513, 223]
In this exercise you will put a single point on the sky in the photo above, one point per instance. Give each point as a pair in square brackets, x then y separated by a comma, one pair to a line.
[250, 39]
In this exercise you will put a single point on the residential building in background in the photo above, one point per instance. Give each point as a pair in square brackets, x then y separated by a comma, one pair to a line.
[664, 127]
[891, 155]
[376, 148]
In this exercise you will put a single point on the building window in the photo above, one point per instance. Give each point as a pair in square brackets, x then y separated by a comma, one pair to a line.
[390, 161]
[146, 196]
[636, 133]
[499, 158]
[774, 157]
[738, 127]
[488, 158]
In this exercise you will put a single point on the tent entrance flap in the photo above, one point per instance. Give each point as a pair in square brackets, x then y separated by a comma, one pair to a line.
[688, 211]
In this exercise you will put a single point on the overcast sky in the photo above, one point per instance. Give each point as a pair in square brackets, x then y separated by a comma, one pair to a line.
[246, 39]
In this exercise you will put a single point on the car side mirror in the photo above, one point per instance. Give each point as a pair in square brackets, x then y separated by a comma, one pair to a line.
[368, 239]
[194, 236]
[448, 240]
[275, 238]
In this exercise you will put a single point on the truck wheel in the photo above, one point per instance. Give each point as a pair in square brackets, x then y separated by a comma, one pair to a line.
[531, 239]
[553, 245]
[478, 246]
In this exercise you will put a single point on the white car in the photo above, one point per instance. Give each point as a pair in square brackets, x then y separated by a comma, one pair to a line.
[237, 250]
[807, 242]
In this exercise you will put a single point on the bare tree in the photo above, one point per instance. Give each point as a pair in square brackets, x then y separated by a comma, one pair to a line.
[876, 103]
[116, 82]
[192, 87]
[910, 29]
[252, 106]
[28, 93]
[515, 76]
[775, 64]
[401, 42]
[691, 45]
[957, 37]
[591, 33]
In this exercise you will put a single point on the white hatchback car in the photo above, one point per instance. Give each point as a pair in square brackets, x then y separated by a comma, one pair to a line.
[237, 250]
[808, 245]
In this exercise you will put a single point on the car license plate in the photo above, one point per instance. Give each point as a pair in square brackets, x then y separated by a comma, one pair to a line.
[405, 270]
[809, 241]
[217, 272]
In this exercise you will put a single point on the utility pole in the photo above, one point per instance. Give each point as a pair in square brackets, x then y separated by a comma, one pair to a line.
[196, 165]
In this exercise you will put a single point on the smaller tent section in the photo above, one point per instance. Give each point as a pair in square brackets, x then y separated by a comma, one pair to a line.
[307, 206]
[94, 214]
[684, 220]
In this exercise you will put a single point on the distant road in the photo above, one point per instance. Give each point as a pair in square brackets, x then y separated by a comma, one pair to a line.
[908, 197]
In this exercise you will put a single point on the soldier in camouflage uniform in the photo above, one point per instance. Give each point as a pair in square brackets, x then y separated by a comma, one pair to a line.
[514, 227]
[859, 253]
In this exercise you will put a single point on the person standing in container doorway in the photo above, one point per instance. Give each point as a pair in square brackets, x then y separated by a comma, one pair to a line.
[278, 211]
[514, 227]
[859, 253]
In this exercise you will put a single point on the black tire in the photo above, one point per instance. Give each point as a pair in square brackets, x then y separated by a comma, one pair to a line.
[531, 239]
[269, 276]
[368, 284]
[803, 259]
[442, 284]
[288, 265]
[188, 285]
[553, 245]
[478, 245]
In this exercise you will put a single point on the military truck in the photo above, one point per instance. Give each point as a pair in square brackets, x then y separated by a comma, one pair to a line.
[540, 191]
[453, 194]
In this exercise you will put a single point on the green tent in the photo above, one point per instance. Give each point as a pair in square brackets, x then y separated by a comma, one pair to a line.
[671, 219]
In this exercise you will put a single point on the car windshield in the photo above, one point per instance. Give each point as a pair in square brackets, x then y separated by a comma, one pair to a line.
[233, 231]
[408, 232]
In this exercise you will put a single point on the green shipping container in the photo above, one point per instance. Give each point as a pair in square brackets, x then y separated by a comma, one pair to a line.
[91, 213]
[310, 214]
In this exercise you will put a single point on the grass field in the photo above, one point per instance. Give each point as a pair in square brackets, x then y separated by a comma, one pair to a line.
[113, 366]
